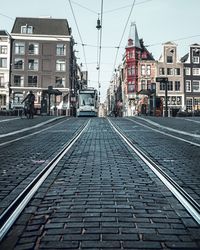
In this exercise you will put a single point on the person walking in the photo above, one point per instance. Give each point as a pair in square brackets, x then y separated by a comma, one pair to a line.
[29, 100]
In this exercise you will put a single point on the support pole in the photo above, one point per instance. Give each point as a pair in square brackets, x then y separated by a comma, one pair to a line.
[166, 102]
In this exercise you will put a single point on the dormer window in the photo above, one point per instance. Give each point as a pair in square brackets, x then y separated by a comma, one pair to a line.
[26, 29]
[169, 59]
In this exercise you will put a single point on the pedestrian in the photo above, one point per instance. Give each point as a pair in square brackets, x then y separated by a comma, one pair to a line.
[29, 101]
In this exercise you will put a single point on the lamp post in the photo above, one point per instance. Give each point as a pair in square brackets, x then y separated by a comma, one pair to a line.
[153, 85]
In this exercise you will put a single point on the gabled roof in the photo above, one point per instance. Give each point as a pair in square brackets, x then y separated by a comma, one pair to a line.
[3, 33]
[42, 26]
[146, 55]
[184, 58]
[133, 39]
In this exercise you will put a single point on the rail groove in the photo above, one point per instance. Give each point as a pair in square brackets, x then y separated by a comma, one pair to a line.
[184, 198]
[9, 216]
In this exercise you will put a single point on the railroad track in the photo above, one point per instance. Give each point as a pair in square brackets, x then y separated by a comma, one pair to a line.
[9, 216]
[184, 198]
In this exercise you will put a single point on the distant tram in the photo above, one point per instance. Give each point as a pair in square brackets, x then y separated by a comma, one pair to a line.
[87, 102]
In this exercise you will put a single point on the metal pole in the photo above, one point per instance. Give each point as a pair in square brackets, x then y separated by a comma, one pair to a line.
[154, 104]
[166, 103]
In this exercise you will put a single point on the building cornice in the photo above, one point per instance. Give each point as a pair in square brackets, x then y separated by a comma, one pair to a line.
[41, 37]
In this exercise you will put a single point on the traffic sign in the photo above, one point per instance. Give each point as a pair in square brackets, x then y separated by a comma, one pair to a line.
[161, 79]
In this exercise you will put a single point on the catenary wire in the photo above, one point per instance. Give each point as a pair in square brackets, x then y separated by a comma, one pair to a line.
[100, 43]
[79, 34]
[133, 4]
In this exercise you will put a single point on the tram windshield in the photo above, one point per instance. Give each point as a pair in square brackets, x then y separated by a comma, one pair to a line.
[86, 99]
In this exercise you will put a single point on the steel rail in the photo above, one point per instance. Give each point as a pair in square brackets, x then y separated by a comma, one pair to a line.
[184, 198]
[9, 216]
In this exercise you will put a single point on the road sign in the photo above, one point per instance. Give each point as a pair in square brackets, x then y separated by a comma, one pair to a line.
[161, 79]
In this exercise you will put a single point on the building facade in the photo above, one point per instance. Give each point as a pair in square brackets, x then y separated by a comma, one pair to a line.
[191, 62]
[42, 57]
[171, 67]
[5, 42]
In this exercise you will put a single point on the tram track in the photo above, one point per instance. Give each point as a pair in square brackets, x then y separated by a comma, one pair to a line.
[184, 198]
[12, 212]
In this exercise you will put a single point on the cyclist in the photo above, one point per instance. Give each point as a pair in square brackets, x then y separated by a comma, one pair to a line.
[29, 101]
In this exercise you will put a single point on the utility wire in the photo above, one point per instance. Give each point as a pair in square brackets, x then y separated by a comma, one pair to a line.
[123, 34]
[124, 7]
[100, 42]
[85, 8]
[79, 34]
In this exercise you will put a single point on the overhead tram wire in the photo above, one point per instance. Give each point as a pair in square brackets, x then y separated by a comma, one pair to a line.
[123, 34]
[85, 8]
[79, 34]
[100, 43]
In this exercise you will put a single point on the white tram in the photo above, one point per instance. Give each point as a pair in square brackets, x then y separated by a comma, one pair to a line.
[87, 102]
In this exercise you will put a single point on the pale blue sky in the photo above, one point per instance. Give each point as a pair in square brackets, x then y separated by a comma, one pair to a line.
[157, 21]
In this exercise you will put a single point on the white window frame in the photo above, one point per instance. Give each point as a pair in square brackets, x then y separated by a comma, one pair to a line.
[196, 71]
[3, 49]
[187, 71]
[198, 83]
[26, 29]
[15, 63]
[60, 65]
[188, 86]
[35, 50]
[148, 69]
[60, 49]
[19, 48]
[195, 59]
[143, 70]
[3, 63]
[33, 64]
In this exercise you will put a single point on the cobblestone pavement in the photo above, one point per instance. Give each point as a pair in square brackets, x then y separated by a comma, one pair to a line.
[22, 160]
[101, 196]
[179, 159]
[10, 124]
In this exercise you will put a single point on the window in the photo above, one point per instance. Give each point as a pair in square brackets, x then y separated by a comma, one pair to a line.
[189, 104]
[131, 88]
[18, 81]
[162, 86]
[196, 71]
[143, 73]
[148, 70]
[60, 65]
[18, 63]
[187, 71]
[196, 86]
[26, 29]
[177, 71]
[143, 84]
[162, 71]
[32, 81]
[169, 71]
[33, 64]
[3, 49]
[19, 48]
[130, 54]
[195, 59]
[60, 82]
[33, 49]
[60, 49]
[131, 71]
[188, 86]
[170, 86]
[2, 81]
[3, 62]
[177, 85]
[169, 59]
[197, 103]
